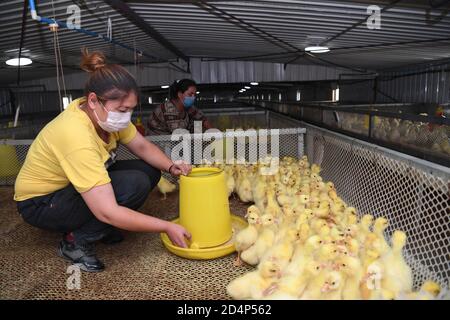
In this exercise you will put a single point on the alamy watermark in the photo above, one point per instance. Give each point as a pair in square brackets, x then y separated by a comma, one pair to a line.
[73, 282]
[374, 20]
[232, 147]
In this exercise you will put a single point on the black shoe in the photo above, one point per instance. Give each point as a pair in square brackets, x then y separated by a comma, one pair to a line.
[81, 255]
[113, 237]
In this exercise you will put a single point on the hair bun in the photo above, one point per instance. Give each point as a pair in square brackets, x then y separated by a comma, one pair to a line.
[90, 62]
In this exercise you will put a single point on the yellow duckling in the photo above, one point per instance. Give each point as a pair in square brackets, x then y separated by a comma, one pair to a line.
[428, 291]
[329, 186]
[352, 271]
[352, 246]
[318, 224]
[282, 252]
[265, 241]
[303, 254]
[379, 226]
[302, 199]
[333, 195]
[165, 186]
[282, 198]
[293, 285]
[244, 186]
[229, 179]
[327, 254]
[272, 207]
[315, 168]
[332, 287]
[254, 284]
[259, 191]
[323, 211]
[248, 236]
[364, 227]
[398, 277]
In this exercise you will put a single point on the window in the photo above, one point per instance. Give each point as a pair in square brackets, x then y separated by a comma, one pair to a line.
[335, 95]
[66, 100]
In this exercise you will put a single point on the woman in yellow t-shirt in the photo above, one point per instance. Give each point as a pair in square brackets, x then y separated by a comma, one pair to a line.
[70, 181]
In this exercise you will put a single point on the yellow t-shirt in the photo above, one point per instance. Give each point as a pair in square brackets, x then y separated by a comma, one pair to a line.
[68, 150]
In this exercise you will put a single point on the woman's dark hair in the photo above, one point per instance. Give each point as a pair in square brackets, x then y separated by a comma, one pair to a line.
[180, 86]
[108, 81]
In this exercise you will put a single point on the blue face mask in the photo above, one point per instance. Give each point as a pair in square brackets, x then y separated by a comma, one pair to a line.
[188, 102]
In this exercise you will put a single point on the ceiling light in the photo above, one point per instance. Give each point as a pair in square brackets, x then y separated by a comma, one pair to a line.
[165, 87]
[247, 87]
[317, 49]
[254, 83]
[198, 92]
[15, 62]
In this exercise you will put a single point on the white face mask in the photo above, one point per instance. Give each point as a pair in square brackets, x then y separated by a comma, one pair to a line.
[115, 121]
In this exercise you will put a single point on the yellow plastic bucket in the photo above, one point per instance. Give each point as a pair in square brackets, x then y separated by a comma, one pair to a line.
[204, 207]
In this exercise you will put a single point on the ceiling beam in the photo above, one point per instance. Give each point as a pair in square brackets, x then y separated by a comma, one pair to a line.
[222, 14]
[128, 13]
[359, 22]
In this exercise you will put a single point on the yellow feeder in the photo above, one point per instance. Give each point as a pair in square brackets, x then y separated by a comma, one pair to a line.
[205, 213]
[9, 163]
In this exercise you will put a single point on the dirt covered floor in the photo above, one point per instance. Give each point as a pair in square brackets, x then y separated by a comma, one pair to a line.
[138, 268]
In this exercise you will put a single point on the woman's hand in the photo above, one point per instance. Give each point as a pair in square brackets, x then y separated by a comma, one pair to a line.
[177, 234]
[179, 167]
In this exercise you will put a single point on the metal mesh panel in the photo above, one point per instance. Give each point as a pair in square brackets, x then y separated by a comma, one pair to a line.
[280, 121]
[25, 132]
[223, 122]
[412, 194]
[353, 122]
[312, 114]
[290, 143]
[12, 156]
[421, 136]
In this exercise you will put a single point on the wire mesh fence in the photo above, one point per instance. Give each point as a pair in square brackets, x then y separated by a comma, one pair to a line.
[412, 193]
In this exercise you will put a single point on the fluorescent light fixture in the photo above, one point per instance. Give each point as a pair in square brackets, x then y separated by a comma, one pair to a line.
[299, 95]
[15, 62]
[254, 83]
[246, 87]
[17, 50]
[198, 92]
[317, 49]
[165, 87]
[243, 90]
[150, 100]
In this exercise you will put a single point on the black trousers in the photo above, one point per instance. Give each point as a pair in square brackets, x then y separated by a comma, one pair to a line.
[65, 210]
